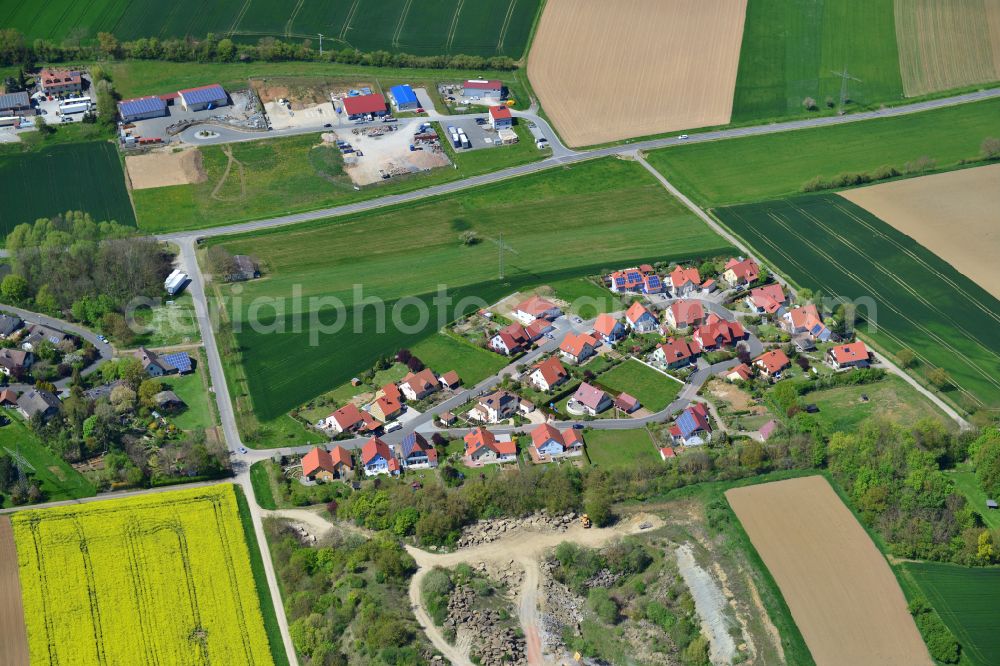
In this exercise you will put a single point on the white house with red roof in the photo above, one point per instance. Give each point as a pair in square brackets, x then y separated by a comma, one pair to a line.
[740, 373]
[851, 355]
[806, 320]
[769, 299]
[419, 385]
[740, 272]
[590, 400]
[717, 333]
[346, 419]
[772, 363]
[578, 347]
[640, 319]
[482, 447]
[377, 458]
[548, 374]
[415, 453]
[608, 328]
[692, 426]
[548, 443]
[626, 281]
[684, 314]
[510, 340]
[684, 281]
[535, 307]
[675, 353]
[500, 118]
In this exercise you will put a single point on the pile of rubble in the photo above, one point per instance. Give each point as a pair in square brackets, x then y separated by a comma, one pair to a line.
[494, 644]
[604, 578]
[488, 531]
[562, 607]
[509, 574]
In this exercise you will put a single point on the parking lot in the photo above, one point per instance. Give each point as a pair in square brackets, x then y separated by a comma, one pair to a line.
[480, 136]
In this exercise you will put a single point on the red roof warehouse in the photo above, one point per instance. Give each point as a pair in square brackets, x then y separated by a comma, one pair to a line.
[362, 104]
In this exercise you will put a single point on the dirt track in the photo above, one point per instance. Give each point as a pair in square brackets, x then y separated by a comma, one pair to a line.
[162, 168]
[13, 636]
[525, 547]
[954, 215]
[613, 70]
[842, 594]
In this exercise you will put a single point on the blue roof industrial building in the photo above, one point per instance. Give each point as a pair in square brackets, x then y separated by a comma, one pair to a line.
[404, 98]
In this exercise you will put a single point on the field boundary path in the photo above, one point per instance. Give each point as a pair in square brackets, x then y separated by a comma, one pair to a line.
[14, 646]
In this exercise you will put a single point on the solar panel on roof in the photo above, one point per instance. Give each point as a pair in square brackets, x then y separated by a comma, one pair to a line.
[134, 107]
[178, 360]
[201, 95]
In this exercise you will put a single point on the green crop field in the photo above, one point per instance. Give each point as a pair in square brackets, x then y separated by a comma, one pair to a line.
[428, 27]
[651, 388]
[556, 225]
[754, 168]
[54, 179]
[909, 296]
[792, 50]
[966, 599]
[158, 578]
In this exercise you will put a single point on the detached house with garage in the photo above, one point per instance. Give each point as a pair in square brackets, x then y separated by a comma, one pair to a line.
[692, 427]
[675, 353]
[627, 281]
[548, 443]
[805, 320]
[511, 340]
[769, 299]
[419, 385]
[851, 355]
[15, 362]
[684, 281]
[415, 453]
[640, 319]
[534, 308]
[385, 408]
[322, 465]
[578, 347]
[376, 458]
[496, 407]
[717, 333]
[772, 363]
[590, 399]
[608, 328]
[484, 448]
[685, 314]
[741, 272]
[548, 374]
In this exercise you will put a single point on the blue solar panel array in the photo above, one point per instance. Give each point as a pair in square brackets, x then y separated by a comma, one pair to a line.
[178, 360]
[213, 93]
[141, 106]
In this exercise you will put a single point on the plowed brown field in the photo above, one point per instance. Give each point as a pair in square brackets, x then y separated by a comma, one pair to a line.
[13, 637]
[606, 71]
[955, 215]
[841, 592]
[947, 43]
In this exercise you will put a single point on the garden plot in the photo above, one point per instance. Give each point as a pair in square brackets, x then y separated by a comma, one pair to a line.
[385, 152]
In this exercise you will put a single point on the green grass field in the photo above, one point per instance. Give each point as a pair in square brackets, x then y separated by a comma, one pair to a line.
[555, 226]
[964, 477]
[754, 168]
[791, 50]
[841, 409]
[917, 300]
[444, 352]
[428, 28]
[652, 389]
[57, 178]
[966, 599]
[621, 448]
[193, 390]
[58, 479]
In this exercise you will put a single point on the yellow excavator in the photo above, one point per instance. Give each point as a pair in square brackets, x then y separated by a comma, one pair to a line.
[585, 521]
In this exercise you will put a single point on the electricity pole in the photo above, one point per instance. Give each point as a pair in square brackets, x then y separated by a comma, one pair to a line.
[844, 76]
[321, 44]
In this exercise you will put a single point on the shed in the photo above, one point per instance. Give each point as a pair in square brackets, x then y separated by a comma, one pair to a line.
[991, 504]
[404, 98]
[141, 108]
[168, 400]
[203, 97]
[364, 105]
[244, 268]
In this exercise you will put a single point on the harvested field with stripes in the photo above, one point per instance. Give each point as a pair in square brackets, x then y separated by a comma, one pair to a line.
[840, 590]
[610, 71]
[907, 297]
[161, 578]
[948, 44]
[954, 215]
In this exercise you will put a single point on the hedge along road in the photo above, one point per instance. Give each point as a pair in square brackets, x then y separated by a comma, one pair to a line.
[564, 156]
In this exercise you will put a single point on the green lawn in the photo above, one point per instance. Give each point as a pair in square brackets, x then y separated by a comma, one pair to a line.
[907, 296]
[58, 479]
[586, 299]
[841, 409]
[966, 599]
[260, 480]
[444, 352]
[609, 205]
[653, 390]
[167, 325]
[964, 477]
[749, 169]
[621, 448]
[791, 50]
[191, 388]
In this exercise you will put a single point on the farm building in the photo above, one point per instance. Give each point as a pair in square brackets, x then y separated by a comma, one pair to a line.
[404, 98]
[204, 97]
[244, 268]
[59, 81]
[491, 88]
[141, 108]
[360, 106]
[500, 118]
[15, 104]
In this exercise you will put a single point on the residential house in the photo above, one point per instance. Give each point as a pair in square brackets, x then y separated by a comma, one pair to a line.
[805, 320]
[684, 314]
[717, 333]
[769, 299]
[168, 401]
[548, 443]
[692, 427]
[741, 272]
[376, 458]
[538, 328]
[548, 374]
[684, 281]
[740, 373]
[59, 81]
[627, 403]
[534, 308]
[578, 347]
[317, 465]
[652, 284]
[450, 380]
[8, 397]
[37, 334]
[38, 401]
[608, 328]
[153, 364]
[390, 391]
[675, 353]
[419, 385]
[483, 447]
[590, 399]
[640, 319]
[447, 418]
[415, 453]
[851, 355]
[496, 407]
[15, 362]
[346, 419]
[772, 363]
[8, 325]
[627, 281]
[510, 340]
[385, 408]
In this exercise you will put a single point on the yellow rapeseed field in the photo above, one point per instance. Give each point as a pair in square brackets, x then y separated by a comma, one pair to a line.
[157, 579]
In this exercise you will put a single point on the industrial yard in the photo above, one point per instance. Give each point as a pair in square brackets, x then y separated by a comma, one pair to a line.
[373, 154]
